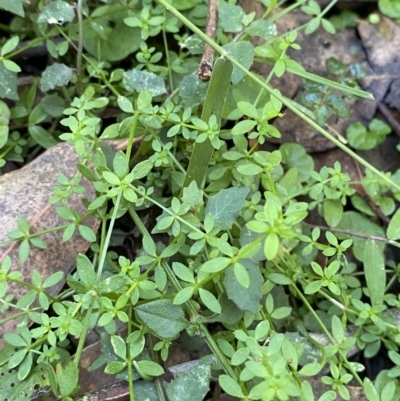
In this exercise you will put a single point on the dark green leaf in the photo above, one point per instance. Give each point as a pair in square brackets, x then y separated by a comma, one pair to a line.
[230, 17]
[140, 81]
[246, 299]
[42, 137]
[242, 52]
[226, 205]
[112, 46]
[192, 90]
[69, 379]
[58, 12]
[8, 84]
[56, 75]
[163, 318]
[190, 386]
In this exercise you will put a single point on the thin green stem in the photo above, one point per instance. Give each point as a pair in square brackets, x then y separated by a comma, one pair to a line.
[164, 35]
[80, 46]
[132, 134]
[128, 353]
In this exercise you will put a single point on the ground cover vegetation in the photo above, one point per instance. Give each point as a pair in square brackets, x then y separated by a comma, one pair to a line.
[210, 234]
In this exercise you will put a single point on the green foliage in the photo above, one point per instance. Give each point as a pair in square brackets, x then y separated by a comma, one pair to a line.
[362, 138]
[391, 8]
[237, 246]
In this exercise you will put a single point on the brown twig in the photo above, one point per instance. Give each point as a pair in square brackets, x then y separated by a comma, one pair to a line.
[205, 68]
[390, 118]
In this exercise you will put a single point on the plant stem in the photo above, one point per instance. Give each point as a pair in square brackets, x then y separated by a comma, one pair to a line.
[80, 46]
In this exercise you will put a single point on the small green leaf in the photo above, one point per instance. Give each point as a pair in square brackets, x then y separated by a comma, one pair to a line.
[10, 45]
[87, 233]
[150, 368]
[115, 367]
[23, 251]
[215, 265]
[281, 313]
[25, 367]
[230, 386]
[393, 230]
[271, 246]
[209, 300]
[125, 104]
[16, 358]
[241, 274]
[183, 295]
[337, 329]
[333, 212]
[183, 272]
[142, 169]
[111, 178]
[15, 339]
[370, 390]
[53, 279]
[310, 369]
[11, 66]
[85, 270]
[119, 346]
[278, 278]
[243, 127]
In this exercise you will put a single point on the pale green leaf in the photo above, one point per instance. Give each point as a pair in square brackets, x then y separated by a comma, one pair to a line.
[13, 6]
[57, 12]
[142, 80]
[56, 75]
[226, 205]
[393, 230]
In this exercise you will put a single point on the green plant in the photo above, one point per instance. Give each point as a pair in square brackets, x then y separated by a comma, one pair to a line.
[236, 247]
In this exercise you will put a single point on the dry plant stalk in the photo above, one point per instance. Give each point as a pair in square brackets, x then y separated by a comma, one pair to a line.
[205, 68]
